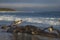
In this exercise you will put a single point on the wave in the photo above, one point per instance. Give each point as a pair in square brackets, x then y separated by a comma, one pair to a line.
[17, 11]
[50, 21]
[9, 11]
[30, 11]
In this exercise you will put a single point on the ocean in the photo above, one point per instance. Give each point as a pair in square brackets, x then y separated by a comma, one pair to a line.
[39, 19]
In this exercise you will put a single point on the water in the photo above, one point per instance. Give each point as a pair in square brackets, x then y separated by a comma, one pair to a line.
[39, 19]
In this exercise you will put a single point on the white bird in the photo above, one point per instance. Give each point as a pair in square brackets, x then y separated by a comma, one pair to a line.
[17, 22]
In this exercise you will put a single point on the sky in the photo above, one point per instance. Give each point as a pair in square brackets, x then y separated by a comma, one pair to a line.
[31, 5]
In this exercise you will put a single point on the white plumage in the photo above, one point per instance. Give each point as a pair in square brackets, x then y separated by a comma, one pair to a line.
[17, 22]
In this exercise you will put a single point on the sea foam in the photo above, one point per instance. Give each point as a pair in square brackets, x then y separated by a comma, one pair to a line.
[50, 21]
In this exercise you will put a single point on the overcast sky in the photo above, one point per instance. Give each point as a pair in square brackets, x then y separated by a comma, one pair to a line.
[31, 4]
[31, 1]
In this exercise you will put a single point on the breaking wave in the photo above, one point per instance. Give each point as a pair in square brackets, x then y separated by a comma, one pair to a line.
[50, 21]
[17, 11]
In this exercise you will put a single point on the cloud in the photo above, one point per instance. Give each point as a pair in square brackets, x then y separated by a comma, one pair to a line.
[31, 1]
[30, 6]
[21, 5]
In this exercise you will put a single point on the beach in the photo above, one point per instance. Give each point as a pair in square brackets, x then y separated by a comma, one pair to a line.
[40, 20]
